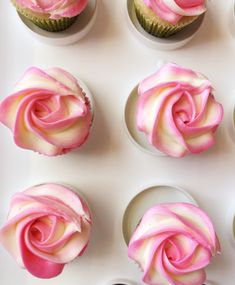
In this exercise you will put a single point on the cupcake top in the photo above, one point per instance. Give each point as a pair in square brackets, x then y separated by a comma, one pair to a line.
[173, 243]
[56, 9]
[173, 10]
[48, 112]
[48, 226]
[177, 111]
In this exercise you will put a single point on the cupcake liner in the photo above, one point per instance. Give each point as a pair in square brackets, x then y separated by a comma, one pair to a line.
[159, 29]
[44, 22]
[54, 25]
[154, 28]
[49, 25]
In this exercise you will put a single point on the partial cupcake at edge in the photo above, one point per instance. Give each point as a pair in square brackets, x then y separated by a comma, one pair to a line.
[52, 16]
[173, 243]
[177, 112]
[48, 226]
[48, 112]
[163, 18]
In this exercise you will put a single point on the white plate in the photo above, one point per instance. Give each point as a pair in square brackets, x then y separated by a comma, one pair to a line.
[77, 31]
[147, 198]
[173, 42]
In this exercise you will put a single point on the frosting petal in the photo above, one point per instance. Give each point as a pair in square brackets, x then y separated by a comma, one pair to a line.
[173, 243]
[48, 112]
[48, 226]
[177, 111]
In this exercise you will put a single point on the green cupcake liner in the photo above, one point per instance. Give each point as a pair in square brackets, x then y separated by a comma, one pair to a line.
[156, 29]
[54, 25]
[49, 25]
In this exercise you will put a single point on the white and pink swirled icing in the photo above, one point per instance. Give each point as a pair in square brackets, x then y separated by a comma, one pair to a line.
[48, 226]
[48, 112]
[173, 244]
[55, 8]
[173, 10]
[177, 111]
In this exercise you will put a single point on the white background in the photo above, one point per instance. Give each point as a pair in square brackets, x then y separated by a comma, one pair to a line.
[109, 170]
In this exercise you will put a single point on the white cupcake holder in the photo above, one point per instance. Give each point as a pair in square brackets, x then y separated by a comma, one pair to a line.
[120, 282]
[128, 282]
[231, 122]
[139, 139]
[152, 195]
[231, 224]
[231, 212]
[74, 33]
[88, 94]
[231, 19]
[148, 197]
[173, 42]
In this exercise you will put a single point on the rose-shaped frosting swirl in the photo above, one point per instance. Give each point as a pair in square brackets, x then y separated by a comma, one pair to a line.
[56, 9]
[48, 112]
[173, 243]
[173, 10]
[48, 226]
[177, 111]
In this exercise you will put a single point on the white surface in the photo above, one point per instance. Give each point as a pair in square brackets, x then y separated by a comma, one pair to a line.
[109, 170]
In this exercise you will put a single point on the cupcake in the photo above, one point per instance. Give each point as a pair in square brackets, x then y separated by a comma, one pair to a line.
[177, 111]
[48, 112]
[173, 243]
[162, 18]
[48, 225]
[53, 15]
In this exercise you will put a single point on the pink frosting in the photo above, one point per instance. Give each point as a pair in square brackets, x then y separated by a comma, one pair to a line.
[177, 111]
[173, 10]
[173, 243]
[55, 8]
[48, 226]
[48, 112]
